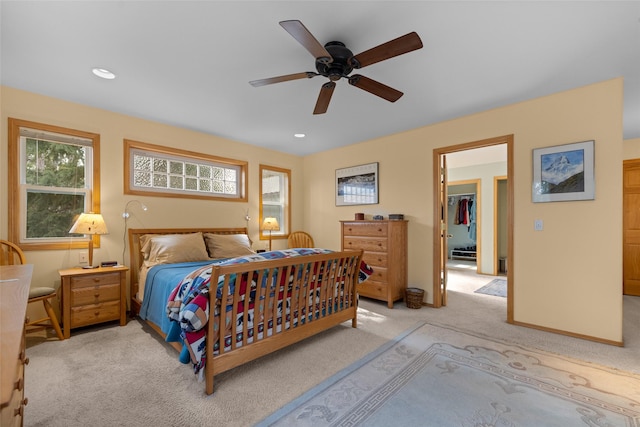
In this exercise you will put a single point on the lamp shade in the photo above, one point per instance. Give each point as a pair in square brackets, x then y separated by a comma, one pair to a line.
[270, 224]
[89, 223]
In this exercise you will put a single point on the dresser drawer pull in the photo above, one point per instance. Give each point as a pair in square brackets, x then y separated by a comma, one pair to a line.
[20, 410]
[97, 294]
[19, 384]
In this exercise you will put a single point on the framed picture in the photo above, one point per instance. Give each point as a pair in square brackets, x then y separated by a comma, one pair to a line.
[357, 185]
[563, 173]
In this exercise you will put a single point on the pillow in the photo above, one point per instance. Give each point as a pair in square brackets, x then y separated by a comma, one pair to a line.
[228, 245]
[174, 248]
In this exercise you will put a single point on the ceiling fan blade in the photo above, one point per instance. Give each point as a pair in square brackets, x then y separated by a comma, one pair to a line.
[401, 45]
[279, 79]
[306, 39]
[324, 98]
[374, 87]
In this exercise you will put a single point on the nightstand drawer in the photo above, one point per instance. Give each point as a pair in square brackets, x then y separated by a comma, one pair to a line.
[95, 313]
[365, 229]
[95, 294]
[95, 280]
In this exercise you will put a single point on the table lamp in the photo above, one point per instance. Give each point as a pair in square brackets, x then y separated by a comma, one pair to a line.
[89, 224]
[270, 224]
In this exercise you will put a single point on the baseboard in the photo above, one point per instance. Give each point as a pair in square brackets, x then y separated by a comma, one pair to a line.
[570, 334]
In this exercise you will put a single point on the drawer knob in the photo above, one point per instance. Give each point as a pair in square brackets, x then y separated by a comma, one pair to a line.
[97, 294]
[19, 384]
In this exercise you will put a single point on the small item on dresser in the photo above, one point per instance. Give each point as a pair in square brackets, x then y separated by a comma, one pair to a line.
[378, 217]
[359, 216]
[396, 216]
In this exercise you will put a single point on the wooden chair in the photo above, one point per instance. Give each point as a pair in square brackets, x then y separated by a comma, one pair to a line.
[300, 239]
[11, 254]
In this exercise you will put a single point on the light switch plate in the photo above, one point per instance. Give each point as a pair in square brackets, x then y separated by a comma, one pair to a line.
[538, 225]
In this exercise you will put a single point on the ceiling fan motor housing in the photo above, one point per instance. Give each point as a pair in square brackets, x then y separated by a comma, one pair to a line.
[340, 66]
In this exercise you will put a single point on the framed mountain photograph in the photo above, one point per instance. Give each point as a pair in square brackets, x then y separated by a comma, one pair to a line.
[563, 172]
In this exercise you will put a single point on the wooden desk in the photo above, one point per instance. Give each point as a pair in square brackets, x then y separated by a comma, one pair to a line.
[15, 281]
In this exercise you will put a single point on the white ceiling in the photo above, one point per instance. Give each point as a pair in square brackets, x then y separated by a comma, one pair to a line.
[188, 64]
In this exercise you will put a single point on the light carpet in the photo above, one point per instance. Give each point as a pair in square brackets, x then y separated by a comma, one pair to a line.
[496, 287]
[444, 377]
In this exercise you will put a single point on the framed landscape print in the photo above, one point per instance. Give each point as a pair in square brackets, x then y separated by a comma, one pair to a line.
[564, 172]
[357, 185]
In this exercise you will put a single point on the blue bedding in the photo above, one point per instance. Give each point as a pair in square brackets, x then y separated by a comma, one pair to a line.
[161, 280]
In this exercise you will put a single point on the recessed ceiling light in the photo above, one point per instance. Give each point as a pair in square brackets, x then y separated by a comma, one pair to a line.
[299, 135]
[104, 73]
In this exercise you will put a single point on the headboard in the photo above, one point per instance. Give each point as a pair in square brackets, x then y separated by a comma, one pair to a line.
[135, 255]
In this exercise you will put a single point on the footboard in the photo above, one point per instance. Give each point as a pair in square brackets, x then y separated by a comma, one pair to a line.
[260, 307]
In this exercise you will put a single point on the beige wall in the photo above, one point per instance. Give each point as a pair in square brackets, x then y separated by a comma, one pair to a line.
[631, 149]
[162, 212]
[568, 276]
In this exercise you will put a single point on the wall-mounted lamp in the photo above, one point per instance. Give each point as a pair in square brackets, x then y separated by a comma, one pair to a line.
[270, 224]
[126, 216]
[89, 224]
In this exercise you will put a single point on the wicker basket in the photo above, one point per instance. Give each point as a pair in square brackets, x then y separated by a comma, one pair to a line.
[414, 297]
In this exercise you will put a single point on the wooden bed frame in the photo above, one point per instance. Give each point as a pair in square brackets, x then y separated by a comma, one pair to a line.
[338, 291]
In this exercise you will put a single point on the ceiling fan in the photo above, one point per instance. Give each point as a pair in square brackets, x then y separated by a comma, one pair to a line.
[335, 61]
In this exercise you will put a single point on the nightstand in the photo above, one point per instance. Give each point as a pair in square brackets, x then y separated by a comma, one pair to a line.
[91, 296]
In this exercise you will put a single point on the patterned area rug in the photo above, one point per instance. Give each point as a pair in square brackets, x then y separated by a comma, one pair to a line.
[496, 287]
[434, 375]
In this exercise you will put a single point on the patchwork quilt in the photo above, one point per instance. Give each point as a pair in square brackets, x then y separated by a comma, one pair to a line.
[188, 306]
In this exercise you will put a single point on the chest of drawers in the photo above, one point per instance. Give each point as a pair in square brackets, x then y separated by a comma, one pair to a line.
[91, 296]
[385, 249]
[15, 281]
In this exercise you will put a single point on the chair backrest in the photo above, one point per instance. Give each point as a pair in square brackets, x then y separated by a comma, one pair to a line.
[11, 254]
[300, 239]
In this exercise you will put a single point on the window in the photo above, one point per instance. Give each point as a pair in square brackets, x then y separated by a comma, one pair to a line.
[154, 170]
[54, 175]
[275, 190]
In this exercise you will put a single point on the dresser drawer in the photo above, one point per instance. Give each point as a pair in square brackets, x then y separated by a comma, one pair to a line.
[375, 259]
[365, 229]
[379, 275]
[366, 243]
[13, 412]
[95, 313]
[95, 294]
[373, 290]
[95, 280]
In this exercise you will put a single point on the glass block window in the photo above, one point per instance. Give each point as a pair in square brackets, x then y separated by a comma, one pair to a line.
[155, 169]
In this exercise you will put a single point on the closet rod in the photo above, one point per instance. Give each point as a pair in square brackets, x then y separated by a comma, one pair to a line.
[463, 194]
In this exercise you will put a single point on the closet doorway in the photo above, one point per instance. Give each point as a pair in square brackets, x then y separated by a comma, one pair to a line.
[445, 173]
[464, 227]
